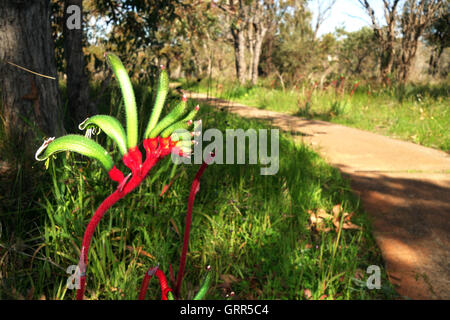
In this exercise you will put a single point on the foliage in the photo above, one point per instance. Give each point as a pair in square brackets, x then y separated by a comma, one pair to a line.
[251, 229]
[358, 52]
[158, 143]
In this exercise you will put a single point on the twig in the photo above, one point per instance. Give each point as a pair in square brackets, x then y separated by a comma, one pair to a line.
[30, 71]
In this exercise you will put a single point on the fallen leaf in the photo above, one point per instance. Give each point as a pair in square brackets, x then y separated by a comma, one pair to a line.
[228, 280]
[359, 274]
[307, 294]
[140, 252]
[336, 211]
[174, 226]
[346, 224]
[317, 220]
[323, 214]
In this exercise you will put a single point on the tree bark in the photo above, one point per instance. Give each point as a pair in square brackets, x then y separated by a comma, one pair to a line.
[435, 58]
[386, 35]
[239, 51]
[260, 33]
[417, 16]
[251, 40]
[77, 81]
[30, 103]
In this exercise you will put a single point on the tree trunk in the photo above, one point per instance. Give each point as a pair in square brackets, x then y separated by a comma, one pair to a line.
[259, 34]
[30, 103]
[251, 40]
[409, 49]
[386, 35]
[77, 81]
[435, 59]
[208, 55]
[387, 62]
[239, 51]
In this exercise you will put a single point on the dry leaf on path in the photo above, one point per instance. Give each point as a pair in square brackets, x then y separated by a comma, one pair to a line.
[317, 220]
[307, 294]
[346, 223]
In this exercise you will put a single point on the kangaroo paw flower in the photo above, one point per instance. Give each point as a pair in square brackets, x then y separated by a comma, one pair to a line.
[116, 175]
[133, 160]
[123, 182]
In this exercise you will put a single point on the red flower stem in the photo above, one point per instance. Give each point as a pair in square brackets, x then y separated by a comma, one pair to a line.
[135, 181]
[194, 189]
[144, 286]
[165, 289]
[163, 283]
[171, 277]
[148, 275]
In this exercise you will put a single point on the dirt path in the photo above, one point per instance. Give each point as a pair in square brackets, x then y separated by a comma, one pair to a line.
[404, 187]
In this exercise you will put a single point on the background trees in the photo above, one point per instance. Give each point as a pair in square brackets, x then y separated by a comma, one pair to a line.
[416, 17]
[412, 17]
[438, 36]
[386, 35]
[232, 39]
[358, 52]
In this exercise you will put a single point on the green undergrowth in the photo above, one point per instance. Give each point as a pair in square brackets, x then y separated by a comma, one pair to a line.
[253, 230]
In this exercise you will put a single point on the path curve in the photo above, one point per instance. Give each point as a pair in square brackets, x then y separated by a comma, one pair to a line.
[404, 187]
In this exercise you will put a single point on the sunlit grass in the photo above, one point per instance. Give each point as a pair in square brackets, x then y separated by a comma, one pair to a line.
[416, 113]
[253, 230]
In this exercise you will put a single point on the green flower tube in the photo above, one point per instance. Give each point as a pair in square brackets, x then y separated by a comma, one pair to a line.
[112, 128]
[205, 286]
[75, 143]
[176, 126]
[182, 124]
[128, 98]
[161, 94]
[191, 115]
[172, 117]
[181, 135]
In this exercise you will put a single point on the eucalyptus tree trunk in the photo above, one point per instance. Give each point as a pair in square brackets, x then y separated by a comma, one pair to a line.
[239, 52]
[435, 58]
[416, 18]
[30, 103]
[260, 33]
[77, 81]
[251, 48]
[386, 35]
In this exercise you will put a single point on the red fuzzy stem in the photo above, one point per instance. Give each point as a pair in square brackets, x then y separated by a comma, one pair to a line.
[172, 278]
[165, 289]
[187, 229]
[106, 204]
[148, 275]
[163, 283]
[113, 198]
[144, 286]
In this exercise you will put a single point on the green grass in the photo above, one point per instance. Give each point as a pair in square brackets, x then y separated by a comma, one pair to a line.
[416, 113]
[251, 229]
